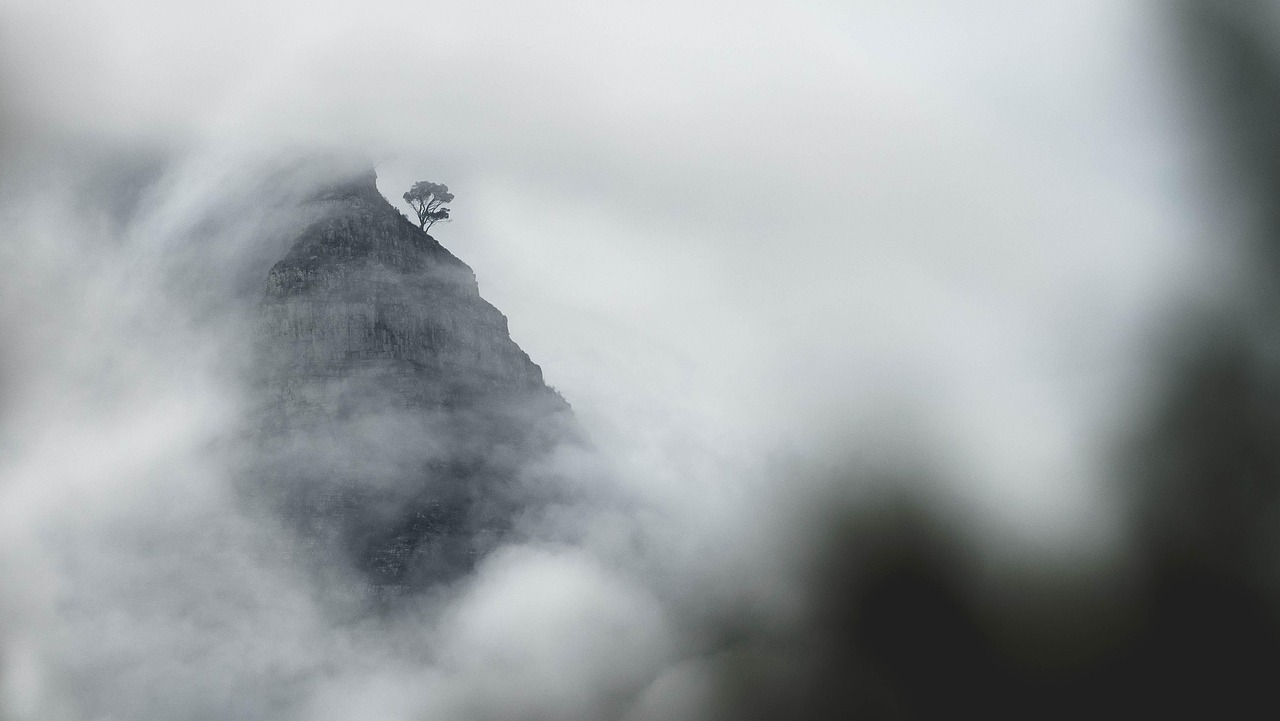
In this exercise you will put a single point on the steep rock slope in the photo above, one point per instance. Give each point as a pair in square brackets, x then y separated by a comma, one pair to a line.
[398, 413]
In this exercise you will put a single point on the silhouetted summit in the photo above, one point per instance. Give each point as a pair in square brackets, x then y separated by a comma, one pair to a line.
[398, 412]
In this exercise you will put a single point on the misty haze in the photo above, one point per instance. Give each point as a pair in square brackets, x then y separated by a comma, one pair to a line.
[682, 361]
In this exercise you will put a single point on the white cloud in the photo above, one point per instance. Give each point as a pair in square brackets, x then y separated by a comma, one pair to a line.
[728, 232]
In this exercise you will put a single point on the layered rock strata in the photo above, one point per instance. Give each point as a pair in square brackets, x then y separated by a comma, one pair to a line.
[397, 412]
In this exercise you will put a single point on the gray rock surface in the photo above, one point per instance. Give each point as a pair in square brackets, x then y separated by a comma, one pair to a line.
[397, 414]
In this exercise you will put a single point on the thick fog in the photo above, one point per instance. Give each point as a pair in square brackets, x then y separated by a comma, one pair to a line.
[819, 280]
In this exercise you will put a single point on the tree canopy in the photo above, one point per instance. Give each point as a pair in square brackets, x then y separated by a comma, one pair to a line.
[427, 200]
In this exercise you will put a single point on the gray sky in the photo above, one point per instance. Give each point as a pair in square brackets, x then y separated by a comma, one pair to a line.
[766, 219]
[730, 233]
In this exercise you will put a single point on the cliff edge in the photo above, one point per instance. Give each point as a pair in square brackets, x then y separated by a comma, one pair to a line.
[397, 412]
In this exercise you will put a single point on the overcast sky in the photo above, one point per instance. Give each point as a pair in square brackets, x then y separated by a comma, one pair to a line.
[781, 226]
[737, 236]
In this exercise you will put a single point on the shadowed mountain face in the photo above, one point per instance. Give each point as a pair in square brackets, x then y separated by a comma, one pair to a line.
[398, 414]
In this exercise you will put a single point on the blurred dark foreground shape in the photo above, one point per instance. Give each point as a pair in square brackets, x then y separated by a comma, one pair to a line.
[901, 628]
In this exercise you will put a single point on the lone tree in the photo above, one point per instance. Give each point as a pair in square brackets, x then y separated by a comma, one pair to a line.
[427, 200]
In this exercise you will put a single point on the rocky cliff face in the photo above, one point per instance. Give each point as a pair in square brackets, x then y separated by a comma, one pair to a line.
[397, 412]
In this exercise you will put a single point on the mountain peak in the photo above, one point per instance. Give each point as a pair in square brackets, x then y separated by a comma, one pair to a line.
[398, 409]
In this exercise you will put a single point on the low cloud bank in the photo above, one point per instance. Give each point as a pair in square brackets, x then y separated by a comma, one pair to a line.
[1007, 497]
